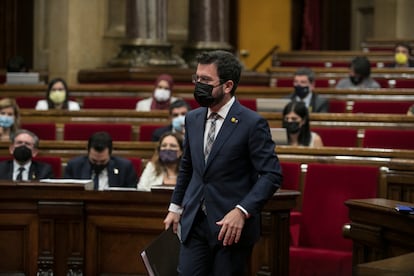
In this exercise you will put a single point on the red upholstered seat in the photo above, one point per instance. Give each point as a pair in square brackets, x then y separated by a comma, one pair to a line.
[321, 248]
[291, 175]
[389, 138]
[382, 107]
[249, 103]
[119, 132]
[55, 162]
[338, 137]
[146, 131]
[337, 106]
[45, 131]
[137, 162]
[27, 102]
[110, 102]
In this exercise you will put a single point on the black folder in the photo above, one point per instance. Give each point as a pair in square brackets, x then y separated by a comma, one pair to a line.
[161, 255]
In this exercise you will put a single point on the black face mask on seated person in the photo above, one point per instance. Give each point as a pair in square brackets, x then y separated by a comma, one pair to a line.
[98, 168]
[291, 127]
[203, 94]
[301, 91]
[22, 154]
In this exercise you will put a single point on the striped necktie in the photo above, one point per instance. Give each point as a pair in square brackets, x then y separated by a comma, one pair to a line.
[211, 135]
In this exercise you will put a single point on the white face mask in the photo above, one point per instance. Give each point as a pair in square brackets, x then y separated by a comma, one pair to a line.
[161, 95]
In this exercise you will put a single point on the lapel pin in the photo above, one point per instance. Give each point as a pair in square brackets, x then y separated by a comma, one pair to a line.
[234, 120]
[116, 171]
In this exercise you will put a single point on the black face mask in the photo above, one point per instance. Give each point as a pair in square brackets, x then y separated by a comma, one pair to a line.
[356, 79]
[301, 91]
[203, 94]
[168, 156]
[22, 154]
[98, 168]
[291, 127]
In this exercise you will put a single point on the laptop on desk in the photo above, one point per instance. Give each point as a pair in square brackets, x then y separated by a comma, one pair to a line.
[279, 136]
[271, 105]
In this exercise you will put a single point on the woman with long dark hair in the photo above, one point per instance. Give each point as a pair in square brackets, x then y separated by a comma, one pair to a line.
[296, 122]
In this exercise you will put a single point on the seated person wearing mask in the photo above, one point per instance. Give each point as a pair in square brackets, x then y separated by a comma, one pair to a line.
[296, 122]
[177, 111]
[105, 170]
[359, 75]
[24, 146]
[304, 85]
[163, 167]
[57, 97]
[161, 96]
[402, 56]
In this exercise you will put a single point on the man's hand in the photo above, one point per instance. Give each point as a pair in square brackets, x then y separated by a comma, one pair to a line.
[231, 227]
[172, 218]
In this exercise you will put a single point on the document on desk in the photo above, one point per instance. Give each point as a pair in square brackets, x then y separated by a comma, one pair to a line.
[161, 255]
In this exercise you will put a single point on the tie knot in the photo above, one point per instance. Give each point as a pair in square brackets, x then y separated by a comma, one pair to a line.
[21, 169]
[214, 116]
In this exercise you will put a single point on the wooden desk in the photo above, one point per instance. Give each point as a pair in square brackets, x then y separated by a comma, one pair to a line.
[64, 229]
[378, 231]
[397, 266]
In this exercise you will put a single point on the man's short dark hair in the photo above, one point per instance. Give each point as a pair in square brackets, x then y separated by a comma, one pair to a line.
[228, 66]
[305, 71]
[405, 45]
[177, 104]
[99, 141]
[361, 66]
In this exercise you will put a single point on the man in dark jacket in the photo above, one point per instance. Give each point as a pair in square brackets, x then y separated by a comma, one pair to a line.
[105, 170]
[24, 146]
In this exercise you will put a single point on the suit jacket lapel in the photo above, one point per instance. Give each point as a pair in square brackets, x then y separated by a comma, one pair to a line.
[229, 125]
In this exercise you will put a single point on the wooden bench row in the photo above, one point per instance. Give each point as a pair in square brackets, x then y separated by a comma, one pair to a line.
[397, 173]
[79, 92]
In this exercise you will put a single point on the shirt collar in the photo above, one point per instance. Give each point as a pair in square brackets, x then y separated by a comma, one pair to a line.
[224, 110]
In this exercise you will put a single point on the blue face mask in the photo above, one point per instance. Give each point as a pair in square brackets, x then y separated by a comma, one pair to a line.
[178, 123]
[6, 121]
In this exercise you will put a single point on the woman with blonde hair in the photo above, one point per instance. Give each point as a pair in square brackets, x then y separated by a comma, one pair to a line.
[9, 118]
[164, 164]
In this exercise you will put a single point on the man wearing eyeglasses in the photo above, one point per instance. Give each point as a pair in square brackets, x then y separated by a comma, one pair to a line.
[228, 171]
[23, 147]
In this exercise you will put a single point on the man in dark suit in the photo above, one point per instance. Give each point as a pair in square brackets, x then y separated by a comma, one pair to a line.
[228, 171]
[304, 85]
[177, 111]
[105, 170]
[24, 146]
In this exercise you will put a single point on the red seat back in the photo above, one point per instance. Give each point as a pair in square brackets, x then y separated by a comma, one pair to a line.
[338, 137]
[146, 131]
[110, 102]
[118, 132]
[381, 107]
[55, 162]
[137, 162]
[326, 188]
[389, 138]
[45, 131]
[27, 102]
[337, 106]
[291, 175]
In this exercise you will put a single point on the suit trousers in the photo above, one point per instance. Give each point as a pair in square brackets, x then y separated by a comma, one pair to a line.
[204, 255]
